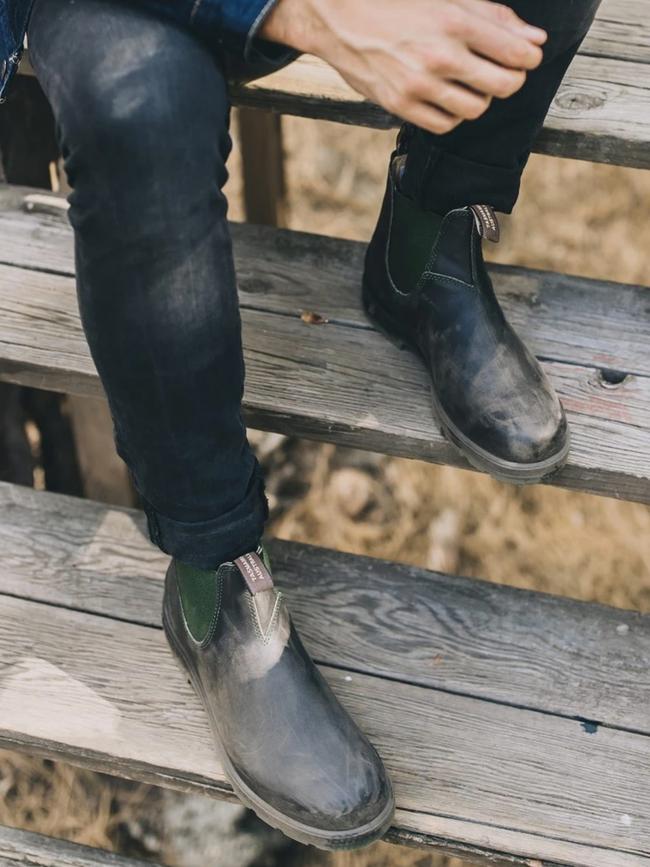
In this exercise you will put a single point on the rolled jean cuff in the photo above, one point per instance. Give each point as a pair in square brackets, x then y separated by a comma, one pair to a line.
[206, 544]
[441, 181]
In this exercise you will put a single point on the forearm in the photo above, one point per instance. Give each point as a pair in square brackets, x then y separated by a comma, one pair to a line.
[432, 62]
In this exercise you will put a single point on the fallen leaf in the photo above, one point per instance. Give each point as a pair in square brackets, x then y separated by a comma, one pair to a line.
[312, 318]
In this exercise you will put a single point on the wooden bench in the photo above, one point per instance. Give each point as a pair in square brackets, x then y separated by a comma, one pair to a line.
[23, 849]
[602, 373]
[511, 722]
[516, 725]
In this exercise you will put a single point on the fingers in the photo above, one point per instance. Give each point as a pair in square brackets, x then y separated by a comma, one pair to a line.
[504, 17]
[508, 18]
[438, 103]
[497, 33]
[486, 77]
[453, 98]
[429, 117]
[502, 46]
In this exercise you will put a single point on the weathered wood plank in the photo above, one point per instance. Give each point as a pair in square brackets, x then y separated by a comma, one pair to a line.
[105, 476]
[621, 30]
[321, 382]
[565, 318]
[601, 113]
[459, 635]
[105, 693]
[262, 163]
[25, 849]
[480, 844]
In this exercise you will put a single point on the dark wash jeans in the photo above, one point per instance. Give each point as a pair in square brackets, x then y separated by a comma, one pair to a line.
[482, 161]
[142, 113]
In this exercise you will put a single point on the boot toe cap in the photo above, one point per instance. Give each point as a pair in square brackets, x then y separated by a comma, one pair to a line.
[329, 799]
[530, 441]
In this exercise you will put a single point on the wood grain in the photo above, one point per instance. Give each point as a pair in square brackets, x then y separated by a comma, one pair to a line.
[621, 30]
[600, 113]
[459, 635]
[263, 169]
[322, 381]
[480, 844]
[566, 318]
[107, 694]
[25, 849]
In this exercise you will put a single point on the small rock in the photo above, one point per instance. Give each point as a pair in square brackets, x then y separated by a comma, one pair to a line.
[200, 831]
[352, 491]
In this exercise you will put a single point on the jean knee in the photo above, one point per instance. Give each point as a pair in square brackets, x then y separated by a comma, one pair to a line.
[135, 98]
[148, 118]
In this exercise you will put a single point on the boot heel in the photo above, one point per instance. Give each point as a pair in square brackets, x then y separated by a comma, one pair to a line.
[387, 324]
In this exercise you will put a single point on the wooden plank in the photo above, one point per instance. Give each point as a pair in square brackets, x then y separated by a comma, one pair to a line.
[480, 844]
[265, 190]
[26, 849]
[554, 655]
[565, 318]
[104, 474]
[601, 112]
[28, 149]
[321, 381]
[107, 694]
[621, 30]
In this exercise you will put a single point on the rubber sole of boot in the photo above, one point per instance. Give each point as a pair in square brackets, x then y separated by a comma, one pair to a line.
[303, 833]
[504, 471]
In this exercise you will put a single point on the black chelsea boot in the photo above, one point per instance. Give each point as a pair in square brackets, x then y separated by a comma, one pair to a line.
[425, 285]
[290, 750]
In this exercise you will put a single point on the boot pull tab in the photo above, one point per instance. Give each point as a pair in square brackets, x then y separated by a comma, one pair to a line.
[254, 572]
[486, 222]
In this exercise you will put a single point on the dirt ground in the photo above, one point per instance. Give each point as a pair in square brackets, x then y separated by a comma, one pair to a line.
[573, 217]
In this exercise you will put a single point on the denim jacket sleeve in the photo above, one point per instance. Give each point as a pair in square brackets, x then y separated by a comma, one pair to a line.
[253, 43]
[236, 16]
[13, 22]
[234, 23]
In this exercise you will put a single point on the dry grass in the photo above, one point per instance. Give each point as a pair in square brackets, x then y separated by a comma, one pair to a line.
[61, 801]
[461, 522]
[383, 855]
[572, 217]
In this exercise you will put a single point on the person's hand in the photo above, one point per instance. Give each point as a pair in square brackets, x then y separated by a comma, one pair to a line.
[434, 63]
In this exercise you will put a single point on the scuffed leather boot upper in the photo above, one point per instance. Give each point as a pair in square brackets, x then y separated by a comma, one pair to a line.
[425, 273]
[281, 729]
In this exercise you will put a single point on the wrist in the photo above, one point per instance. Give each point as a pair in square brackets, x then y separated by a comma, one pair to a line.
[300, 24]
[280, 25]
